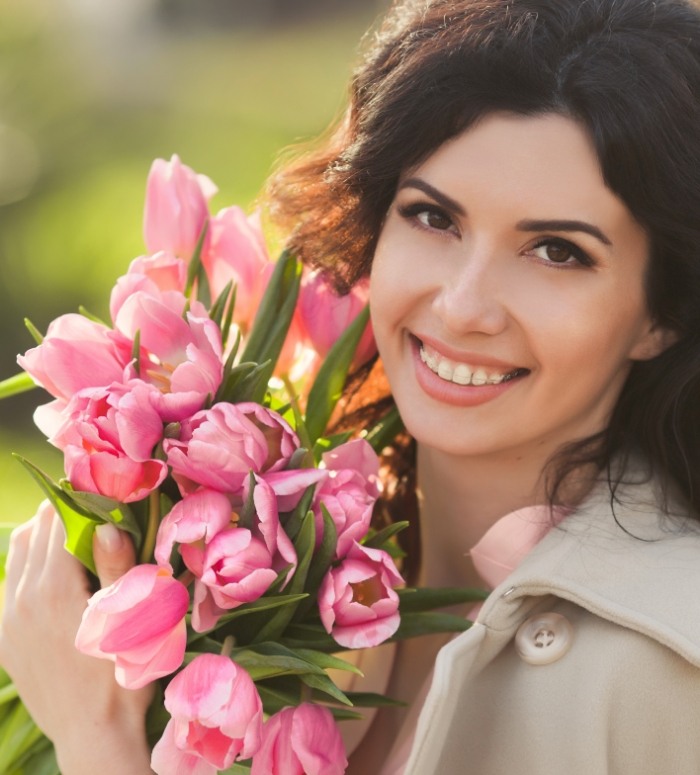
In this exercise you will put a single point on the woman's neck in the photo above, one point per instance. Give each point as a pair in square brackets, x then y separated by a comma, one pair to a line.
[460, 499]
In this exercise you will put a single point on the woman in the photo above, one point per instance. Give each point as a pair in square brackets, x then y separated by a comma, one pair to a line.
[522, 178]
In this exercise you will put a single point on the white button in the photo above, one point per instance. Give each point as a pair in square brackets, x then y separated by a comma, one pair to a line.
[544, 638]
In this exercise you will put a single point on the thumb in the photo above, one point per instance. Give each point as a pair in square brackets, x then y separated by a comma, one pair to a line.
[113, 553]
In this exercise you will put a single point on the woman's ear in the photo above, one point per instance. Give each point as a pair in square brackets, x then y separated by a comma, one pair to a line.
[657, 339]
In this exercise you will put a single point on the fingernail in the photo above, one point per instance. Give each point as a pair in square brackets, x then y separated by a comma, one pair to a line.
[109, 537]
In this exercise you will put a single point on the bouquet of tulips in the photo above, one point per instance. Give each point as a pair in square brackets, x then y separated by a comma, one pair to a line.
[195, 421]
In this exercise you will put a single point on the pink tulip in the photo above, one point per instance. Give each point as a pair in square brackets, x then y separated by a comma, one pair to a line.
[298, 360]
[218, 447]
[357, 601]
[289, 486]
[237, 252]
[176, 207]
[108, 439]
[236, 569]
[267, 523]
[76, 353]
[181, 357]
[139, 623]
[193, 521]
[300, 741]
[153, 275]
[232, 565]
[349, 492]
[216, 718]
[325, 315]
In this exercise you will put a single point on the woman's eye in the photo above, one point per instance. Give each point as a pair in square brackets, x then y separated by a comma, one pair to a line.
[428, 217]
[434, 220]
[562, 252]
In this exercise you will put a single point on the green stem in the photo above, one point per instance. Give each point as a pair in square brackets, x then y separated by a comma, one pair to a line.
[149, 541]
[186, 578]
[227, 646]
[20, 383]
[306, 693]
[294, 401]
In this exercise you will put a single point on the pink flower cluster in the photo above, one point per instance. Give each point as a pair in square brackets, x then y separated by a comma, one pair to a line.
[161, 358]
[139, 621]
[133, 405]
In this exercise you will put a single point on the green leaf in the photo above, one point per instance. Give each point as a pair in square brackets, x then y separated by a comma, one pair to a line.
[386, 430]
[330, 380]
[5, 679]
[322, 560]
[79, 525]
[13, 386]
[34, 331]
[247, 512]
[274, 316]
[293, 521]
[279, 582]
[39, 759]
[327, 661]
[427, 623]
[310, 636]
[268, 660]
[89, 315]
[275, 696]
[241, 768]
[216, 313]
[261, 604]
[8, 692]
[228, 366]
[18, 733]
[304, 546]
[413, 600]
[228, 319]
[157, 716]
[328, 443]
[372, 700]
[299, 423]
[345, 714]
[105, 509]
[246, 382]
[379, 538]
[322, 683]
[195, 271]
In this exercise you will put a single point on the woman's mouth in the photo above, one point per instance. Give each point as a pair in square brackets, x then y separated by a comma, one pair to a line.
[461, 373]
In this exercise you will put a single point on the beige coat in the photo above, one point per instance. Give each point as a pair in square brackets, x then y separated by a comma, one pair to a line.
[611, 688]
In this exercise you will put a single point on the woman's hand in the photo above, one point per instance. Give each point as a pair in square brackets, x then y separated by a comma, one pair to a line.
[95, 725]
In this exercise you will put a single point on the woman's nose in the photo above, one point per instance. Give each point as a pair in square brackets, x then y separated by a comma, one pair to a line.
[472, 297]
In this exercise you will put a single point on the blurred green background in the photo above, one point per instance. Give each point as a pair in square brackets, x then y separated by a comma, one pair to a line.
[91, 91]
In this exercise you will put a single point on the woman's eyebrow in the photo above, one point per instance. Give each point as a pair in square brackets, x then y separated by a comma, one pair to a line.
[527, 225]
[447, 202]
[564, 225]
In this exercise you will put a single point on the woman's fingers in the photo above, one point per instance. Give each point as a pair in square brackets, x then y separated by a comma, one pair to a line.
[113, 553]
[16, 560]
[67, 693]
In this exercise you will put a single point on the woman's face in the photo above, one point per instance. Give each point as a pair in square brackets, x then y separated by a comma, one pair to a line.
[507, 290]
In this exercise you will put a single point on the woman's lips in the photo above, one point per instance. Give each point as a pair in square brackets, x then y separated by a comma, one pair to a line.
[467, 380]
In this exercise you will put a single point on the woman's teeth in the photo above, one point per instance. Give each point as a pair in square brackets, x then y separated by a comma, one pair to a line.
[461, 373]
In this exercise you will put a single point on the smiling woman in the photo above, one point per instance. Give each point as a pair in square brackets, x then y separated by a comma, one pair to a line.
[520, 181]
[512, 281]
[527, 214]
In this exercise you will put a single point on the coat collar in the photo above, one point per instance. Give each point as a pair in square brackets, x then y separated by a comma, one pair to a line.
[620, 558]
